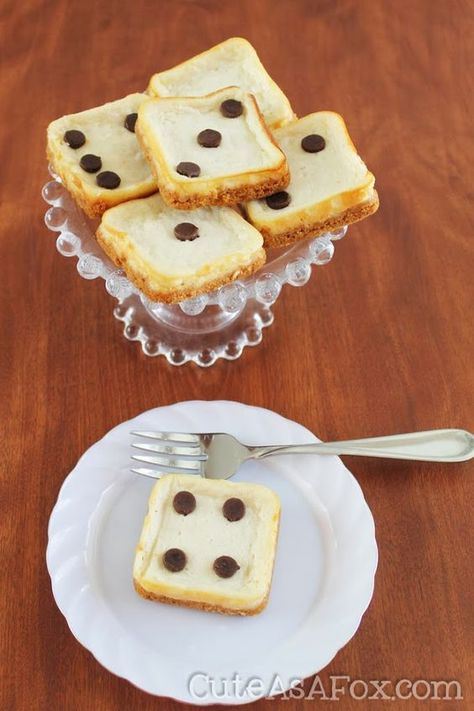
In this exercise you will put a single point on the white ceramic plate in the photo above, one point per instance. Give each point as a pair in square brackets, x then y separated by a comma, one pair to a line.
[323, 579]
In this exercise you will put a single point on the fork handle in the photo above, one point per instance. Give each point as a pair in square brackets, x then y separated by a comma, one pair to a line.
[447, 445]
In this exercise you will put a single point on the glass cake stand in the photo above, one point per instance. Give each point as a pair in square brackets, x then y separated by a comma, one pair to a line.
[202, 330]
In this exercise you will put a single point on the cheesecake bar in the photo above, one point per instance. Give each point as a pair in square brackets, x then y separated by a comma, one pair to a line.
[97, 156]
[210, 150]
[330, 185]
[171, 255]
[233, 62]
[208, 544]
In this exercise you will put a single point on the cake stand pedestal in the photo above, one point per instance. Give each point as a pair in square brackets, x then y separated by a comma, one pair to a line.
[199, 330]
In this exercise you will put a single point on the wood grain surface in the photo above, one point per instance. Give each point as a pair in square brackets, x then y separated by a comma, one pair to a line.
[379, 341]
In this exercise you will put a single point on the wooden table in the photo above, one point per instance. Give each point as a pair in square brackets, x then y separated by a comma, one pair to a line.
[379, 341]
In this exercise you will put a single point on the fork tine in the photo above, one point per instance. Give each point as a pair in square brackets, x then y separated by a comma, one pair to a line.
[182, 437]
[171, 450]
[191, 465]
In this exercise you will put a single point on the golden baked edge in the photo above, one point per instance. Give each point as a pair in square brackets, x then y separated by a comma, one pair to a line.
[142, 280]
[207, 607]
[314, 229]
[92, 205]
[226, 196]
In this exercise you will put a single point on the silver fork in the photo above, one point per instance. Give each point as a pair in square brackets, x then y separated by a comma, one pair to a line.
[218, 456]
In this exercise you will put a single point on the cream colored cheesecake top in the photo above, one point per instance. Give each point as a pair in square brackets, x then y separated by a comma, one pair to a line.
[334, 171]
[171, 127]
[147, 227]
[106, 137]
[205, 534]
[231, 63]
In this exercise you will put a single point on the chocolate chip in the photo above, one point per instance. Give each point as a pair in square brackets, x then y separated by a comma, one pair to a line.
[186, 232]
[231, 108]
[130, 122]
[174, 559]
[184, 502]
[190, 170]
[313, 143]
[209, 138]
[74, 139]
[90, 163]
[234, 509]
[108, 180]
[225, 566]
[278, 200]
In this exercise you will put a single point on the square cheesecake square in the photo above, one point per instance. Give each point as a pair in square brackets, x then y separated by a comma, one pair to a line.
[172, 255]
[233, 62]
[208, 544]
[210, 150]
[97, 156]
[330, 185]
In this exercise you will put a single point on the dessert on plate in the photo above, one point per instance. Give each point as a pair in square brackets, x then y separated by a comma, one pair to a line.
[174, 254]
[208, 544]
[233, 165]
[210, 150]
[97, 156]
[330, 185]
[231, 63]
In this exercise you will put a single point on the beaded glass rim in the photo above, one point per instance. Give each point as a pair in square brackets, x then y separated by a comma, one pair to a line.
[247, 300]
